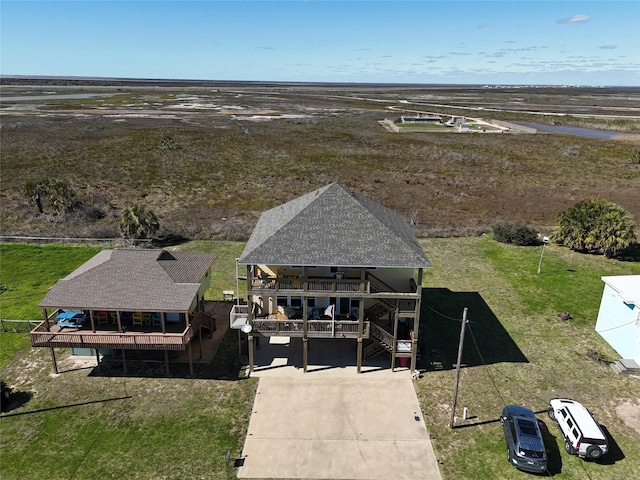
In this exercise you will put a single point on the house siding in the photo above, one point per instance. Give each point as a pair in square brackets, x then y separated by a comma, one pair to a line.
[619, 323]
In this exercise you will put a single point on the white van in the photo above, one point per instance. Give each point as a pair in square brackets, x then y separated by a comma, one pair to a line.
[582, 434]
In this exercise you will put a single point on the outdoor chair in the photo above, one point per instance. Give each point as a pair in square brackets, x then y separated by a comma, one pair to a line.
[137, 318]
[156, 319]
[103, 318]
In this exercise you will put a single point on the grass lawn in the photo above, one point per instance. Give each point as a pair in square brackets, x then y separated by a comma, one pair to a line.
[81, 426]
[530, 354]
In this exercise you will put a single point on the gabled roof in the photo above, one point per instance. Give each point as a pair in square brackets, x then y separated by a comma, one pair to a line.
[132, 280]
[333, 226]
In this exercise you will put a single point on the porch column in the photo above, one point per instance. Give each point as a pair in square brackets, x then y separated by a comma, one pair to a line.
[250, 338]
[46, 319]
[93, 321]
[395, 339]
[166, 362]
[119, 320]
[164, 322]
[360, 331]
[53, 353]
[416, 323]
[124, 361]
[250, 269]
[305, 339]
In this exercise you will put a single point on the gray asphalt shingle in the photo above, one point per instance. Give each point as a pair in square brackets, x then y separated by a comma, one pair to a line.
[132, 280]
[333, 226]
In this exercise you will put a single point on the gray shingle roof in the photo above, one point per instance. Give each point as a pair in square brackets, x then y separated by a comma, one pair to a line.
[333, 226]
[132, 280]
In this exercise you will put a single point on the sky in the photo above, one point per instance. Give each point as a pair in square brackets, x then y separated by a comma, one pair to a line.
[544, 42]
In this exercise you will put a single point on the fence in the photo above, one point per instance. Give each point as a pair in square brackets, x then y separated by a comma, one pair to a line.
[111, 242]
[18, 326]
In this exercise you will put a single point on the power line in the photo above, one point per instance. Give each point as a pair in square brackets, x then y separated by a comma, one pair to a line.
[485, 366]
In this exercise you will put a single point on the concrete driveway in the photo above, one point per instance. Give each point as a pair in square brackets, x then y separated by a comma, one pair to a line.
[332, 423]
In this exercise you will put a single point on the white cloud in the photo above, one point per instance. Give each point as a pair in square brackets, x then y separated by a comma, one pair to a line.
[575, 19]
[608, 47]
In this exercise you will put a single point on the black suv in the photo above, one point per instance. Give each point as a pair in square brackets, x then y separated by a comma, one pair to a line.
[525, 447]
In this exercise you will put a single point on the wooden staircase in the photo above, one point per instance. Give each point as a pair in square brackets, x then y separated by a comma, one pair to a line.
[381, 341]
[625, 366]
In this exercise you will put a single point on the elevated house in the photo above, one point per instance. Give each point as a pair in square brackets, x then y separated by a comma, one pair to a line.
[128, 300]
[619, 320]
[334, 264]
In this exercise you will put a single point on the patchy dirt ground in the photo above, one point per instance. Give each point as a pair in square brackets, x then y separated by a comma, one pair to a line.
[209, 160]
[629, 413]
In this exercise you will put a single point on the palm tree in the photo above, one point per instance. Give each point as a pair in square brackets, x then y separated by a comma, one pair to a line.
[138, 222]
[36, 191]
[596, 225]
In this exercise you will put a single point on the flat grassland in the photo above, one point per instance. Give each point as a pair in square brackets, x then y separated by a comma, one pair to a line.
[209, 159]
[82, 425]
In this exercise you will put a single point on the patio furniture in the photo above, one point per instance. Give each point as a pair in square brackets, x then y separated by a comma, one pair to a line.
[137, 318]
[103, 318]
[70, 319]
[227, 293]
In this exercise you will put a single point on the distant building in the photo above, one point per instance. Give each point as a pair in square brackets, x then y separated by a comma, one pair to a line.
[456, 121]
[463, 127]
[434, 119]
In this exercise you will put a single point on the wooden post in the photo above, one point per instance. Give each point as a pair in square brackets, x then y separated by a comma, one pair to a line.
[395, 339]
[164, 322]
[98, 359]
[93, 321]
[305, 349]
[457, 381]
[119, 321]
[46, 319]
[305, 327]
[416, 323]
[250, 353]
[124, 361]
[53, 359]
[360, 331]
[166, 362]
[190, 360]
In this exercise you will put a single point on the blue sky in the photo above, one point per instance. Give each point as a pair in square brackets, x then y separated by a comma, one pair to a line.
[585, 42]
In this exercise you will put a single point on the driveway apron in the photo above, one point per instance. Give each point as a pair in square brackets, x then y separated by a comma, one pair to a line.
[341, 426]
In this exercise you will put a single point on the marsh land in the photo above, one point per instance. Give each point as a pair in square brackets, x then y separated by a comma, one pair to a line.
[209, 157]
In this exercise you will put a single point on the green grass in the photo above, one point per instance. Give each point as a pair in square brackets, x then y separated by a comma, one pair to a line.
[531, 355]
[140, 427]
[77, 425]
[27, 272]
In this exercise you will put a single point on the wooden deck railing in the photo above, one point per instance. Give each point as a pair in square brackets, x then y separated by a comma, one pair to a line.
[326, 285]
[130, 340]
[315, 328]
[382, 335]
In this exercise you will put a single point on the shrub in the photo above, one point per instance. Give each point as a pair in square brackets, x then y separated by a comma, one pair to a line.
[515, 233]
[596, 226]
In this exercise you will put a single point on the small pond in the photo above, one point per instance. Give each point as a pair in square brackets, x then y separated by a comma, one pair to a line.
[575, 131]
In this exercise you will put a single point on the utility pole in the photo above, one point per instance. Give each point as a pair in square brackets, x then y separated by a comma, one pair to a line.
[455, 387]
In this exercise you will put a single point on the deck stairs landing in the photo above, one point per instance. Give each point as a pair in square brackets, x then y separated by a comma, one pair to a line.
[625, 366]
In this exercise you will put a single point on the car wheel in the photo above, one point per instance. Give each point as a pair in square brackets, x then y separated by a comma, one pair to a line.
[551, 413]
[594, 452]
[569, 448]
